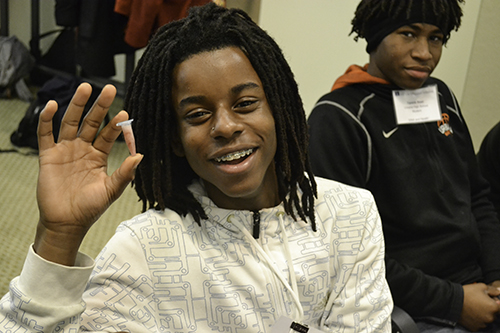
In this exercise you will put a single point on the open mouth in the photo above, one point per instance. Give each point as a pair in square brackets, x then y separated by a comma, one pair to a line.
[235, 157]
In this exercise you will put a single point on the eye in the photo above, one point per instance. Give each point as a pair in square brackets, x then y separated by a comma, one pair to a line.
[408, 34]
[436, 39]
[197, 116]
[246, 105]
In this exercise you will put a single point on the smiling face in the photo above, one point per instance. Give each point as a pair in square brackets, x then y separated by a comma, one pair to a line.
[226, 128]
[407, 56]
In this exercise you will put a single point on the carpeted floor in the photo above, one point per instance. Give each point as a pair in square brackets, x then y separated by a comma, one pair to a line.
[18, 207]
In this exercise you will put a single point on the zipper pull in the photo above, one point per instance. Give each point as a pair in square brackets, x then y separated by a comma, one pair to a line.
[256, 224]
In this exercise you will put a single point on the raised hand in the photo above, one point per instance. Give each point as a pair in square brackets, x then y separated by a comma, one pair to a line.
[74, 189]
[481, 306]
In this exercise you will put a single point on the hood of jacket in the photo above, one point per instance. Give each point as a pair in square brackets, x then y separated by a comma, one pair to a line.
[357, 74]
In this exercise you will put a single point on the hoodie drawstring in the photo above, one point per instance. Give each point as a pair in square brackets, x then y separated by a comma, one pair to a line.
[288, 254]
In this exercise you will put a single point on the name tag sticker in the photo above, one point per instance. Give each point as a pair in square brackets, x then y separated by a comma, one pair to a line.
[287, 325]
[416, 106]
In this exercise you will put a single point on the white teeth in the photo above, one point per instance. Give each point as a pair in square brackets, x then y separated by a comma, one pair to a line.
[234, 156]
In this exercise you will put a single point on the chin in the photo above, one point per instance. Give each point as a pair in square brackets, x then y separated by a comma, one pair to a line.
[412, 85]
[239, 192]
[236, 190]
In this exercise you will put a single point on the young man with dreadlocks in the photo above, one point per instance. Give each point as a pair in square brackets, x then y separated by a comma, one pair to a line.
[391, 128]
[238, 235]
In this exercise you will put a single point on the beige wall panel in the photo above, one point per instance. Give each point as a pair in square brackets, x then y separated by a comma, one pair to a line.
[481, 92]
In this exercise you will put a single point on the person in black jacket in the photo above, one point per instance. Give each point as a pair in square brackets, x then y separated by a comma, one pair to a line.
[488, 158]
[391, 128]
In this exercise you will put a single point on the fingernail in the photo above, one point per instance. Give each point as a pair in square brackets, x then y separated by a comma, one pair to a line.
[138, 161]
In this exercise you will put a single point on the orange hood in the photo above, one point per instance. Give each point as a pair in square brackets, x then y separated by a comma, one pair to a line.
[356, 74]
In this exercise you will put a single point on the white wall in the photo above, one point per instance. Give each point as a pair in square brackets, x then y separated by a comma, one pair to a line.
[480, 99]
[314, 35]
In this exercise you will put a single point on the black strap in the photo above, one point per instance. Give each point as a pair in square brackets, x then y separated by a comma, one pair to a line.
[402, 322]
[29, 153]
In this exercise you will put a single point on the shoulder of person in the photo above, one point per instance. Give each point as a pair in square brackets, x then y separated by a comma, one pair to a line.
[346, 99]
[325, 185]
[443, 88]
[340, 204]
[351, 92]
[154, 218]
[353, 95]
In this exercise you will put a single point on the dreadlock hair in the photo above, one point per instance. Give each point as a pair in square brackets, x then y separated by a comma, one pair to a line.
[162, 177]
[375, 19]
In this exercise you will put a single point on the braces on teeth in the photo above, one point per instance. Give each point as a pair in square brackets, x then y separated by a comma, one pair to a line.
[234, 156]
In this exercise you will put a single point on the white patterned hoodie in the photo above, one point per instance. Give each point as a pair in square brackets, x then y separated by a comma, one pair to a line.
[162, 272]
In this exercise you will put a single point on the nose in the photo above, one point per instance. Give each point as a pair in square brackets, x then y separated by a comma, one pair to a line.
[226, 123]
[421, 49]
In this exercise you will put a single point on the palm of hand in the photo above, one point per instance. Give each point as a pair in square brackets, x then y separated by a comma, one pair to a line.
[73, 186]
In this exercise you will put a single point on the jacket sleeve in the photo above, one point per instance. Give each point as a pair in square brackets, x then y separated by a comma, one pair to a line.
[486, 218]
[422, 295]
[483, 209]
[116, 291]
[489, 229]
[488, 159]
[442, 298]
[46, 297]
[361, 300]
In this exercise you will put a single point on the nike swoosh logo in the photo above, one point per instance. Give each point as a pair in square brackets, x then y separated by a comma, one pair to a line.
[388, 134]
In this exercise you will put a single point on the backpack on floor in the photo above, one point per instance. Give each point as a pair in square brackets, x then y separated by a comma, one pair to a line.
[16, 63]
[60, 89]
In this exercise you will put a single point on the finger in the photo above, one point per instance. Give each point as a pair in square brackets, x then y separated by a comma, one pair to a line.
[492, 291]
[108, 135]
[97, 113]
[44, 130]
[73, 114]
[124, 175]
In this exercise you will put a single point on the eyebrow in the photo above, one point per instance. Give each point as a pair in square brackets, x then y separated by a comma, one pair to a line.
[234, 90]
[417, 27]
[191, 100]
[240, 87]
